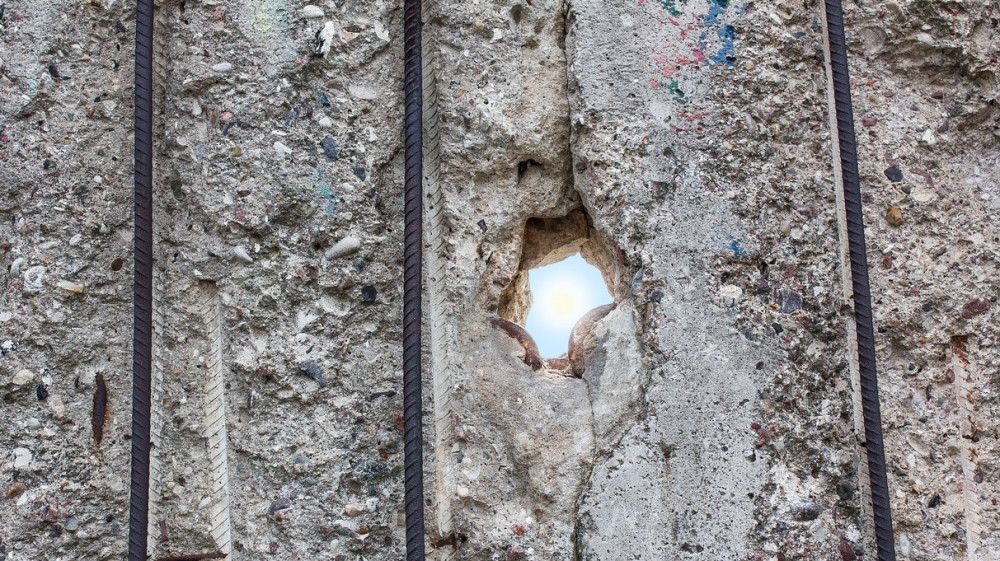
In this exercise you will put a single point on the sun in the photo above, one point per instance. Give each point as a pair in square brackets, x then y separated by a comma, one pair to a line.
[562, 293]
[563, 303]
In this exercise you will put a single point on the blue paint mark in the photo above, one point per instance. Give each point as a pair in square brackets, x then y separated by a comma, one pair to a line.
[727, 53]
[715, 9]
[734, 244]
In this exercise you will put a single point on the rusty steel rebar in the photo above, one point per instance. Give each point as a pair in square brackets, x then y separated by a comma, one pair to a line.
[412, 273]
[881, 510]
[142, 326]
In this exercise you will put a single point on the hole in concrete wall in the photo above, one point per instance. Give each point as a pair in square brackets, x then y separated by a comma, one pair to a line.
[559, 244]
[561, 293]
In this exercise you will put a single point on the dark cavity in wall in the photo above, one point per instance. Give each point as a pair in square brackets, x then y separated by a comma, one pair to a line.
[548, 240]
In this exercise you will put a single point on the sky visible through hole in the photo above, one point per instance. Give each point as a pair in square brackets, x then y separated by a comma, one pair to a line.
[561, 294]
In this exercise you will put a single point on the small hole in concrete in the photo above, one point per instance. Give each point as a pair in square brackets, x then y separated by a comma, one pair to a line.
[569, 278]
[561, 293]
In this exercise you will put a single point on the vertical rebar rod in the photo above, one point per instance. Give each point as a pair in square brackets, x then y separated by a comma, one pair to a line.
[142, 332]
[412, 273]
[863, 321]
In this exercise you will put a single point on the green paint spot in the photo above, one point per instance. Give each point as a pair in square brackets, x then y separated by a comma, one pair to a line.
[671, 7]
[677, 92]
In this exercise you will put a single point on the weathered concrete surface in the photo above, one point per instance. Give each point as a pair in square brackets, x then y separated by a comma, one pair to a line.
[716, 418]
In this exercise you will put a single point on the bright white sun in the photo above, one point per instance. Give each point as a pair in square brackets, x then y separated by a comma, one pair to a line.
[561, 294]
[563, 302]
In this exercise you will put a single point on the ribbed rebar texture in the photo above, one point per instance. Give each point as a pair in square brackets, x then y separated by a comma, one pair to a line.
[859, 282]
[142, 329]
[412, 265]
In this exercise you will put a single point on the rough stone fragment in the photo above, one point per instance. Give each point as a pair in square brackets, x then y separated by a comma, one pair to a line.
[33, 278]
[313, 370]
[975, 307]
[23, 377]
[789, 300]
[330, 148]
[281, 149]
[279, 505]
[324, 38]
[22, 458]
[368, 293]
[240, 253]
[222, 67]
[894, 174]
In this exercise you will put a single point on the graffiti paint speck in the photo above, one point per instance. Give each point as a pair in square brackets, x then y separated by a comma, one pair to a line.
[727, 52]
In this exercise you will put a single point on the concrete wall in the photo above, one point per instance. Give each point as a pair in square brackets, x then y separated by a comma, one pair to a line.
[716, 418]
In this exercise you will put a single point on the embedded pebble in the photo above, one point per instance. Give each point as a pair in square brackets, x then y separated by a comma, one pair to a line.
[240, 253]
[311, 12]
[281, 149]
[730, 294]
[904, 545]
[70, 286]
[894, 174]
[894, 216]
[71, 524]
[324, 39]
[344, 247]
[803, 510]
[354, 509]
[222, 67]
[15, 489]
[362, 92]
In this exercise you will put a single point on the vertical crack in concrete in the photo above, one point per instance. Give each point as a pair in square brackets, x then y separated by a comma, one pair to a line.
[578, 526]
[965, 385]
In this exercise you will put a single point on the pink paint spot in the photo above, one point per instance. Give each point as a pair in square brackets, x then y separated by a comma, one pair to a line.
[654, 84]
